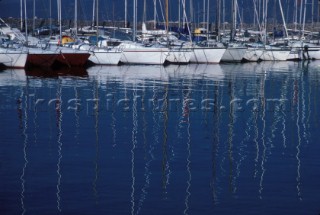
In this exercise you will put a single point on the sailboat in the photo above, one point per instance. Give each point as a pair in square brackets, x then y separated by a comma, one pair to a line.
[138, 53]
[209, 51]
[180, 51]
[268, 52]
[20, 56]
[100, 54]
[13, 58]
[61, 55]
[235, 51]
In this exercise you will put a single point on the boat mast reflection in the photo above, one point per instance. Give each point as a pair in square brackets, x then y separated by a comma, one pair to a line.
[185, 119]
[59, 114]
[215, 141]
[25, 144]
[297, 101]
[97, 145]
[165, 163]
[263, 133]
[134, 145]
[147, 155]
[231, 90]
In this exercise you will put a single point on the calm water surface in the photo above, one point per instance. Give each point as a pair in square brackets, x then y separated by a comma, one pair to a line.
[195, 139]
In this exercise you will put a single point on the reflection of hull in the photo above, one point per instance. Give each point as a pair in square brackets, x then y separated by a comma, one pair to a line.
[129, 74]
[234, 54]
[48, 72]
[13, 58]
[13, 77]
[139, 74]
[207, 55]
[195, 71]
[179, 56]
[105, 57]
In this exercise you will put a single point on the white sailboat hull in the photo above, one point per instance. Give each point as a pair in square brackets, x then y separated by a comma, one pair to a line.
[144, 55]
[275, 55]
[313, 53]
[179, 56]
[253, 54]
[207, 55]
[234, 54]
[13, 58]
[295, 55]
[105, 57]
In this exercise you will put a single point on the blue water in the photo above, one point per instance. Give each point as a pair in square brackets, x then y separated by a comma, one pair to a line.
[194, 139]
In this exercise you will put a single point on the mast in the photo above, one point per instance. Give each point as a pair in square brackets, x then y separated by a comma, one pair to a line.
[93, 11]
[224, 15]
[97, 19]
[76, 16]
[208, 17]
[144, 16]
[167, 16]
[191, 13]
[283, 19]
[60, 22]
[300, 17]
[179, 13]
[295, 14]
[154, 14]
[265, 15]
[218, 15]
[233, 5]
[235, 15]
[204, 11]
[34, 17]
[26, 20]
[184, 13]
[312, 13]
[304, 17]
[125, 13]
[318, 14]
[134, 30]
[259, 10]
[21, 15]
[219, 19]
[50, 18]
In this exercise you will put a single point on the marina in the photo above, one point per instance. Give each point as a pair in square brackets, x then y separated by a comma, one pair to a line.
[204, 115]
[161, 41]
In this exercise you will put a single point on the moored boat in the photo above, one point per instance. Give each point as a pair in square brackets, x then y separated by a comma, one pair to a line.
[41, 57]
[135, 53]
[13, 58]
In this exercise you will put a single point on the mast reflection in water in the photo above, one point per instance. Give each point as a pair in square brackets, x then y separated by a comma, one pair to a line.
[191, 139]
